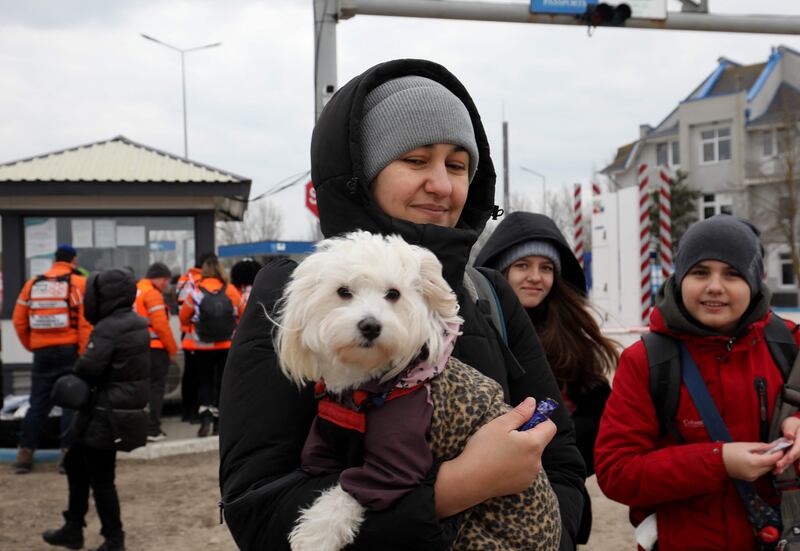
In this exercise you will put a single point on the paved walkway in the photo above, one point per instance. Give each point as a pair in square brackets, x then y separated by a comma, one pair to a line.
[181, 438]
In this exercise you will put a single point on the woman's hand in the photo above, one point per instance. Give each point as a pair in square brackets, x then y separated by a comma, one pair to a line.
[497, 460]
[791, 431]
[746, 461]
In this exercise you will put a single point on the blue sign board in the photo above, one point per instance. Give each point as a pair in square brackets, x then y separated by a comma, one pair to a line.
[162, 245]
[267, 247]
[575, 7]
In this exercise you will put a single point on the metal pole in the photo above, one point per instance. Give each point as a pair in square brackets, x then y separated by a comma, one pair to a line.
[520, 13]
[544, 186]
[183, 89]
[544, 195]
[325, 18]
[182, 51]
[505, 166]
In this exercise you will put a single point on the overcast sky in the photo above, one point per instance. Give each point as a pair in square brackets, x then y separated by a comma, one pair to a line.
[79, 72]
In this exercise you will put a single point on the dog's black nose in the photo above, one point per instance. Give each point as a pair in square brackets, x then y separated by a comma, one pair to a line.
[370, 328]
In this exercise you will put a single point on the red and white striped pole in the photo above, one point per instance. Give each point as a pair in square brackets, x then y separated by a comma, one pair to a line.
[665, 222]
[645, 285]
[577, 220]
[595, 189]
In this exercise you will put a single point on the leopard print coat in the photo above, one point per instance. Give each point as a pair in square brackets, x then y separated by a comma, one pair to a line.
[463, 401]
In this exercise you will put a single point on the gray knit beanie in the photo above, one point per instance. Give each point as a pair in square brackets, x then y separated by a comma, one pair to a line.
[408, 112]
[728, 239]
[528, 248]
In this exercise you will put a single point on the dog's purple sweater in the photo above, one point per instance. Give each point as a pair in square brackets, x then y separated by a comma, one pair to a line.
[393, 456]
[395, 451]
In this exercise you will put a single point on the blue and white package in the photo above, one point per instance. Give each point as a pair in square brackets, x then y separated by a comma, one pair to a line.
[543, 411]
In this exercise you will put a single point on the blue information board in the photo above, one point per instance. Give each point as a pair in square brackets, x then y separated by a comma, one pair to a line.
[162, 245]
[575, 7]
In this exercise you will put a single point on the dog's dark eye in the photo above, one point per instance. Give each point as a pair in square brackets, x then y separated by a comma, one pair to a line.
[344, 292]
[392, 295]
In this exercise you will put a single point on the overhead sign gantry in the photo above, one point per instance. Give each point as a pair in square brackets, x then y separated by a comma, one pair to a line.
[645, 14]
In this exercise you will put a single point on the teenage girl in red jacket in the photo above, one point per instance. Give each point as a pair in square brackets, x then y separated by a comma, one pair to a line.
[717, 305]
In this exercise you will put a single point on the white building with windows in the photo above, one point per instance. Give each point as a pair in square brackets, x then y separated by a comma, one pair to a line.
[735, 135]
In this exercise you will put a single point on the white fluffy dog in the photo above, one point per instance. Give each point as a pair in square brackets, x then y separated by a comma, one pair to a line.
[360, 309]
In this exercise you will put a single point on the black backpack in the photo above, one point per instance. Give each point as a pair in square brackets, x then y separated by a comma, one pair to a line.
[664, 359]
[216, 318]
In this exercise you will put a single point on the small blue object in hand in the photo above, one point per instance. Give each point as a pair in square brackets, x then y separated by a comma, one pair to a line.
[543, 411]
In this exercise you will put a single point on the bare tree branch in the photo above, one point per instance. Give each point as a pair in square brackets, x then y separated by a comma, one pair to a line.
[263, 221]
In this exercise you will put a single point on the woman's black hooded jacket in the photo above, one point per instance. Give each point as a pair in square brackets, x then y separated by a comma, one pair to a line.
[263, 419]
[116, 362]
[517, 228]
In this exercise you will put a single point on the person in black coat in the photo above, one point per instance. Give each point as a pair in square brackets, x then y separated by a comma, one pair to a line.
[534, 256]
[116, 366]
[264, 421]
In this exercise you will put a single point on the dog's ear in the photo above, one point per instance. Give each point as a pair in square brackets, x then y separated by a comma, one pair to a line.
[297, 361]
[435, 290]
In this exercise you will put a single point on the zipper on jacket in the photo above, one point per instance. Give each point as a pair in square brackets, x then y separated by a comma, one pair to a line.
[221, 507]
[352, 185]
[729, 344]
[761, 391]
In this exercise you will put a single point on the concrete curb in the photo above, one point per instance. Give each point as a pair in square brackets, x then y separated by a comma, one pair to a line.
[9, 455]
[166, 448]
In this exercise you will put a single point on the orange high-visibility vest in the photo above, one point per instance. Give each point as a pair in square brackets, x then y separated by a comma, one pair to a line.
[151, 306]
[186, 284]
[191, 341]
[49, 310]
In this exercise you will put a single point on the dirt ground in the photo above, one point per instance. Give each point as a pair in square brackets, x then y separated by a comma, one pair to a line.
[171, 503]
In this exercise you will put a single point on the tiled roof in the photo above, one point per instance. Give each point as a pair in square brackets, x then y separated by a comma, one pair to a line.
[786, 100]
[671, 131]
[116, 160]
[736, 79]
[619, 161]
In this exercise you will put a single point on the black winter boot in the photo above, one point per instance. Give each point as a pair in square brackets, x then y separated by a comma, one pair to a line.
[206, 419]
[116, 543]
[70, 535]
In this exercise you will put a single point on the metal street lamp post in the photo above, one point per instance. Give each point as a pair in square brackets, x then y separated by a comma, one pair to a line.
[544, 187]
[183, 51]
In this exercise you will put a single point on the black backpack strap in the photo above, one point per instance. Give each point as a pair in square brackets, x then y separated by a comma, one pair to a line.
[663, 357]
[484, 295]
[482, 291]
[781, 344]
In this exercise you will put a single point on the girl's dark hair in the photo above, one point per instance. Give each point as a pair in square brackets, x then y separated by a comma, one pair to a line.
[578, 352]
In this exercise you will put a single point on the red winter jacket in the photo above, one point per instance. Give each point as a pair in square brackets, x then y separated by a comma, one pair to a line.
[694, 499]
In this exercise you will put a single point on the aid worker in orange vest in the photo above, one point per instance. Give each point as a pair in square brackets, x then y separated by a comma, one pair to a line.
[184, 288]
[163, 350]
[211, 313]
[48, 318]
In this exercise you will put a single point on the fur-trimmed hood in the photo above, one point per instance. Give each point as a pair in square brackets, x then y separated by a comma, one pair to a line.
[344, 198]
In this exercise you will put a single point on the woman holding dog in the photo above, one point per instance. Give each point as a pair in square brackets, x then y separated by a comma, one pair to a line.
[533, 255]
[398, 150]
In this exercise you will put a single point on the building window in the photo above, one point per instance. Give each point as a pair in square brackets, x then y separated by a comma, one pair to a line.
[111, 242]
[661, 154]
[716, 203]
[667, 153]
[767, 139]
[787, 270]
[774, 142]
[676, 153]
[715, 145]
